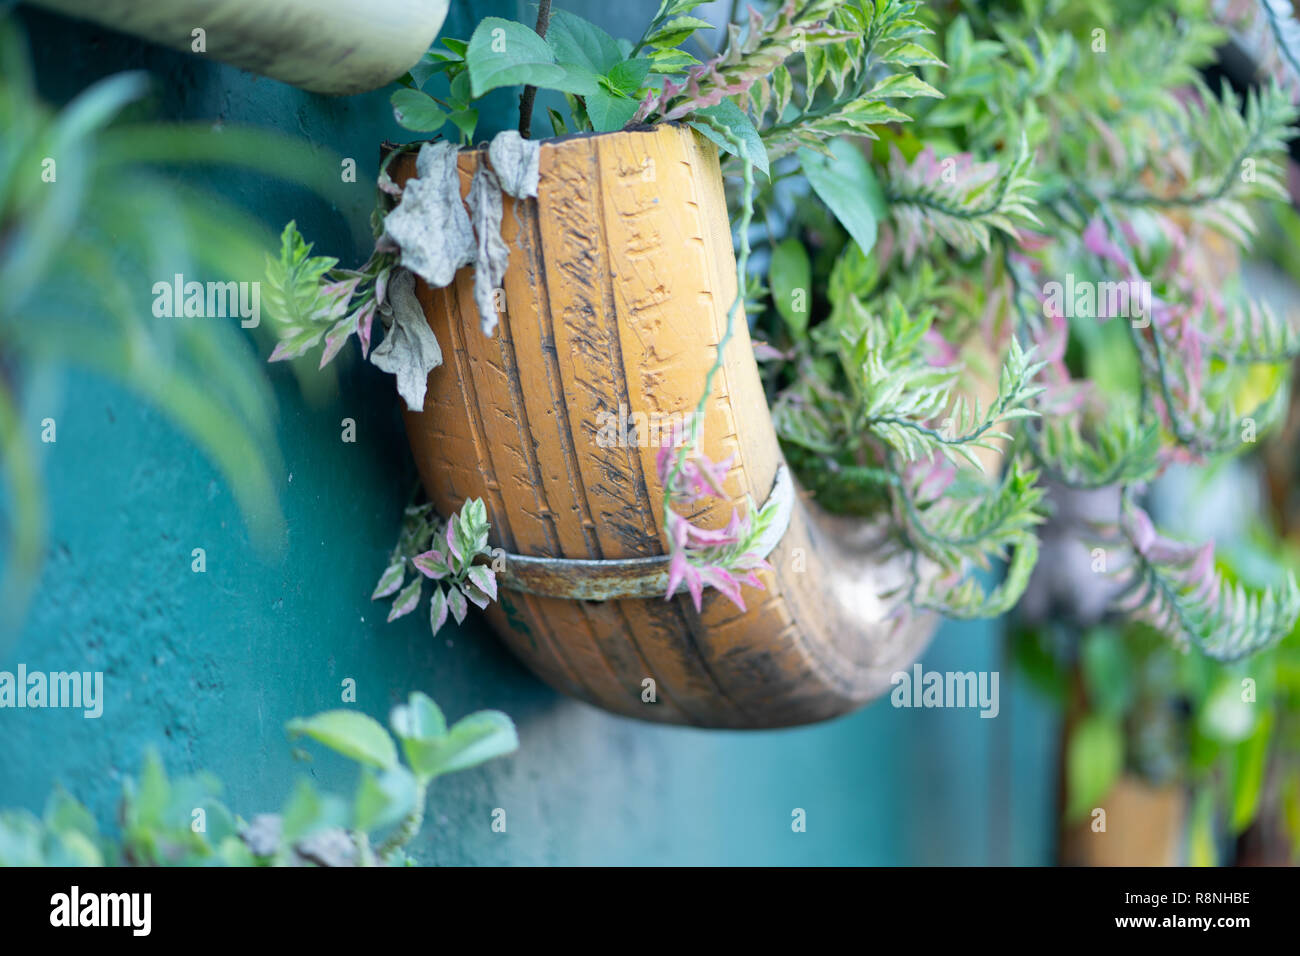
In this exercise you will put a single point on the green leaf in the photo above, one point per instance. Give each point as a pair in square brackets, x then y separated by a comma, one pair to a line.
[420, 718]
[437, 610]
[1224, 716]
[558, 126]
[1249, 773]
[390, 581]
[351, 733]
[627, 77]
[671, 61]
[581, 43]
[406, 601]
[456, 602]
[465, 121]
[473, 515]
[417, 111]
[505, 53]
[677, 31]
[845, 182]
[483, 578]
[63, 813]
[867, 112]
[149, 800]
[432, 62]
[472, 740]
[610, 111]
[1093, 764]
[911, 54]
[904, 85]
[384, 798]
[308, 812]
[731, 117]
[1107, 673]
[790, 277]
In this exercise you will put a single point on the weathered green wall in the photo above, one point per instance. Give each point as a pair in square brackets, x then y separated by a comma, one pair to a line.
[209, 667]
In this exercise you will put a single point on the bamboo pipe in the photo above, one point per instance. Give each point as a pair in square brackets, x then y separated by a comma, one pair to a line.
[326, 46]
[621, 273]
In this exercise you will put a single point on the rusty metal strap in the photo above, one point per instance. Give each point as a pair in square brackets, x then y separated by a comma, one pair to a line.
[610, 580]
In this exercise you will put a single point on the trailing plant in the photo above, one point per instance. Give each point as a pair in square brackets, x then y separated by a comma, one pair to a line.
[182, 821]
[938, 267]
[444, 552]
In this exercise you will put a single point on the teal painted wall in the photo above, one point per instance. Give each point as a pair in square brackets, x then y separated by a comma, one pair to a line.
[209, 667]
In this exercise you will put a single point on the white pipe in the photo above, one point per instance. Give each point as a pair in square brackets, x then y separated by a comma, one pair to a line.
[326, 46]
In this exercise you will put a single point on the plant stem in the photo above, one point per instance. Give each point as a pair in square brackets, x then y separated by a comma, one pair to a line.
[736, 309]
[530, 92]
[407, 829]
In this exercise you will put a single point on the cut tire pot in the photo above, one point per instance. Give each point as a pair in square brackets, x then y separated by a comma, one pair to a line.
[615, 301]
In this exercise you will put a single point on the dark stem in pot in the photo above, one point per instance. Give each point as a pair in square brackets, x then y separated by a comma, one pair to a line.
[530, 92]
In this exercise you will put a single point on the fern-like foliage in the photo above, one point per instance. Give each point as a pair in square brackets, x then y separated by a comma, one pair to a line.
[958, 201]
[910, 406]
[1174, 587]
[1250, 331]
[1233, 143]
[310, 299]
[1115, 449]
[844, 79]
[872, 421]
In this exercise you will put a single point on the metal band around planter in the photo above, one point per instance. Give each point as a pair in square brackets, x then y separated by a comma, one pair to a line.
[610, 580]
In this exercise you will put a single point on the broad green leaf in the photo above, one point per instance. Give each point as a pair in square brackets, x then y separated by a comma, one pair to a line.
[417, 111]
[384, 798]
[1093, 764]
[419, 718]
[308, 812]
[790, 279]
[472, 740]
[351, 733]
[610, 112]
[432, 62]
[731, 117]
[505, 53]
[845, 182]
[627, 76]
[582, 43]
[465, 121]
